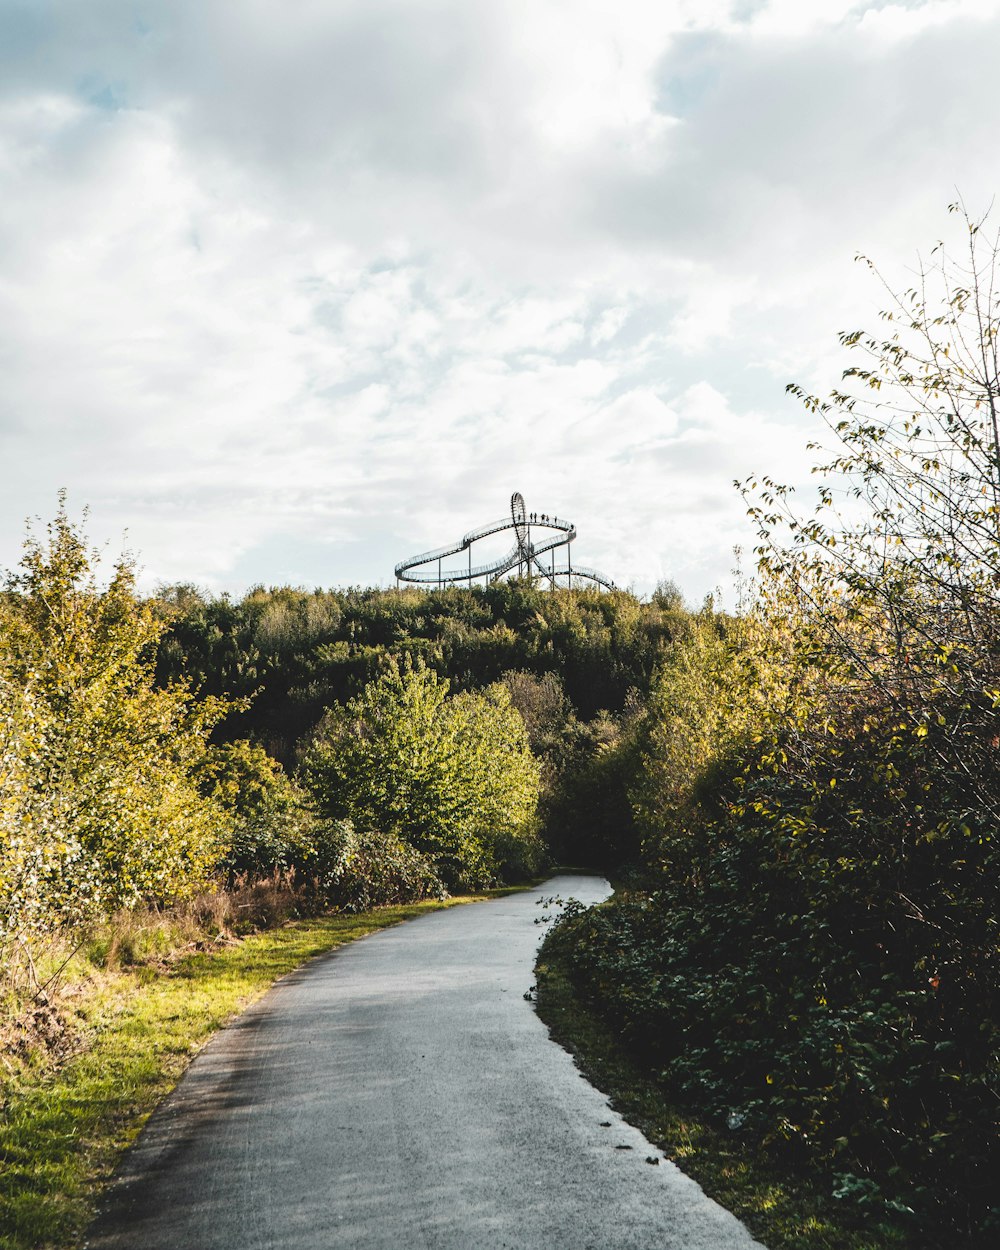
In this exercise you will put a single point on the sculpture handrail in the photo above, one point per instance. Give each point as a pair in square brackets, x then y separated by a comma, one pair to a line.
[524, 553]
[590, 575]
[493, 568]
[483, 531]
[454, 548]
[461, 575]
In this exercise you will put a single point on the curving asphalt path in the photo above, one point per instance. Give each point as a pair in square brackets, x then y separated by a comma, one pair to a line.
[401, 1093]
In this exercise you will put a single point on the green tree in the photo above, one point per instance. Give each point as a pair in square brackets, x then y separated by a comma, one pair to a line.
[894, 576]
[589, 821]
[721, 684]
[818, 963]
[453, 776]
[99, 803]
[271, 828]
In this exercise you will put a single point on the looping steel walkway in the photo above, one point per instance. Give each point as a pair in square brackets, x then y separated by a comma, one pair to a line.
[427, 569]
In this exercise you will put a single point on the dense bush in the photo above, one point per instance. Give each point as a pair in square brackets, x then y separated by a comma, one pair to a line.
[784, 977]
[299, 652]
[99, 805]
[271, 829]
[817, 958]
[357, 869]
[575, 664]
[452, 776]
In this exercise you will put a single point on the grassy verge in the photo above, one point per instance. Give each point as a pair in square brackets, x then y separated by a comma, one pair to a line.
[784, 1211]
[65, 1125]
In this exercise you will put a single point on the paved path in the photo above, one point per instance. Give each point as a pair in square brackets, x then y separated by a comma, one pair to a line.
[401, 1093]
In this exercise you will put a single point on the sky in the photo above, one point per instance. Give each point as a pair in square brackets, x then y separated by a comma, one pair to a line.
[291, 289]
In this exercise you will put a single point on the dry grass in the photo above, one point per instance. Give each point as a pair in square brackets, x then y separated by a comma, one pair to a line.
[43, 982]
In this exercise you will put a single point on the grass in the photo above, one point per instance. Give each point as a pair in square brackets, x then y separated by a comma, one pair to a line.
[70, 1110]
[786, 1211]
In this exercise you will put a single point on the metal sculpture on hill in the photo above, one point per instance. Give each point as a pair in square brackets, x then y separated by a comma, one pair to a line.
[525, 556]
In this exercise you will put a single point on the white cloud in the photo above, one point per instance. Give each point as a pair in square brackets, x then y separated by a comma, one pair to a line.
[289, 290]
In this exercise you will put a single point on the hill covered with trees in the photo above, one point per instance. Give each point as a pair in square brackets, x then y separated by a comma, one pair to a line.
[153, 746]
[575, 665]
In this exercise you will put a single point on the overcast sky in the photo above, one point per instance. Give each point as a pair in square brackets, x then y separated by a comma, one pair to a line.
[290, 289]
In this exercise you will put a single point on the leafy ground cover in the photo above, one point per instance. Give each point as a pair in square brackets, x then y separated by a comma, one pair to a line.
[125, 1037]
[785, 1209]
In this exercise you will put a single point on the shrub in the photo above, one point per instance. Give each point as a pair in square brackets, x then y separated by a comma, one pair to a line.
[453, 777]
[271, 828]
[99, 807]
[362, 869]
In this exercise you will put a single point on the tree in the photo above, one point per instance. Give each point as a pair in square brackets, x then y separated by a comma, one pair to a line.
[452, 776]
[720, 681]
[896, 574]
[817, 964]
[541, 702]
[880, 785]
[271, 829]
[99, 805]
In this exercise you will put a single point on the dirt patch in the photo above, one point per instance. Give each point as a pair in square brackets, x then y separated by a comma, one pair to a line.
[46, 1033]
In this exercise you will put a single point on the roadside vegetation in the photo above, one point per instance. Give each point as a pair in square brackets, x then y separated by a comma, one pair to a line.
[798, 979]
[811, 962]
[786, 1207]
